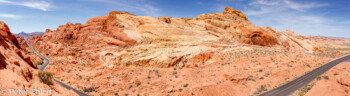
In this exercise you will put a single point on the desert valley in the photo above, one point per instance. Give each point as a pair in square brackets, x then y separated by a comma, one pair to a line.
[215, 54]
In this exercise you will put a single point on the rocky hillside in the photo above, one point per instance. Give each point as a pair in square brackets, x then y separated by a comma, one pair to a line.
[26, 35]
[18, 69]
[221, 54]
[124, 39]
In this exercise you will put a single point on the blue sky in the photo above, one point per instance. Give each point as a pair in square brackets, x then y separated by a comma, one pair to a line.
[305, 17]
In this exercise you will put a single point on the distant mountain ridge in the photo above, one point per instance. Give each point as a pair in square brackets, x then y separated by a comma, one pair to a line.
[26, 35]
[331, 37]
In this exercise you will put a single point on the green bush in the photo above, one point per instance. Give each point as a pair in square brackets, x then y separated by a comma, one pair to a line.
[39, 63]
[186, 85]
[335, 74]
[180, 89]
[90, 89]
[46, 78]
[318, 77]
[138, 83]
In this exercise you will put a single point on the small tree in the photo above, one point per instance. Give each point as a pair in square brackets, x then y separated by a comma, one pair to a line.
[46, 78]
[39, 63]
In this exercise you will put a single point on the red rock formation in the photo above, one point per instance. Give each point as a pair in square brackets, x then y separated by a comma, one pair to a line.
[5, 33]
[17, 70]
[208, 52]
[122, 31]
[230, 11]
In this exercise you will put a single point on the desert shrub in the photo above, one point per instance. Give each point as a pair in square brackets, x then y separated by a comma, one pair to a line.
[325, 77]
[318, 77]
[138, 83]
[46, 78]
[39, 63]
[180, 89]
[335, 74]
[90, 89]
[305, 89]
[260, 89]
[186, 85]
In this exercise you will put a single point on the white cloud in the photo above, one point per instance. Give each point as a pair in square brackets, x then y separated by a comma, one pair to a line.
[300, 6]
[265, 2]
[263, 10]
[200, 3]
[268, 6]
[10, 16]
[346, 22]
[313, 19]
[35, 4]
[301, 16]
[219, 7]
[144, 7]
[297, 16]
[299, 23]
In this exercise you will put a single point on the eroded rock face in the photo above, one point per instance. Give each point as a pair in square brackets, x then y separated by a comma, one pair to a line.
[9, 42]
[162, 41]
[5, 33]
[17, 69]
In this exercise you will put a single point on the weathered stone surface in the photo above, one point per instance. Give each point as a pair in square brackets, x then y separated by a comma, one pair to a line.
[17, 67]
[163, 41]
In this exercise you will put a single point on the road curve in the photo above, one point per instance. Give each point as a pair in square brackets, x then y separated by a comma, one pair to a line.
[46, 63]
[294, 85]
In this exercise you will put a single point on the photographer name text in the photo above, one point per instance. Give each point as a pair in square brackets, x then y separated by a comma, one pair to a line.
[33, 91]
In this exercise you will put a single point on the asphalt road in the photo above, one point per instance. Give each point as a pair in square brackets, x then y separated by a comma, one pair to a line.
[46, 63]
[294, 85]
[348, 61]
